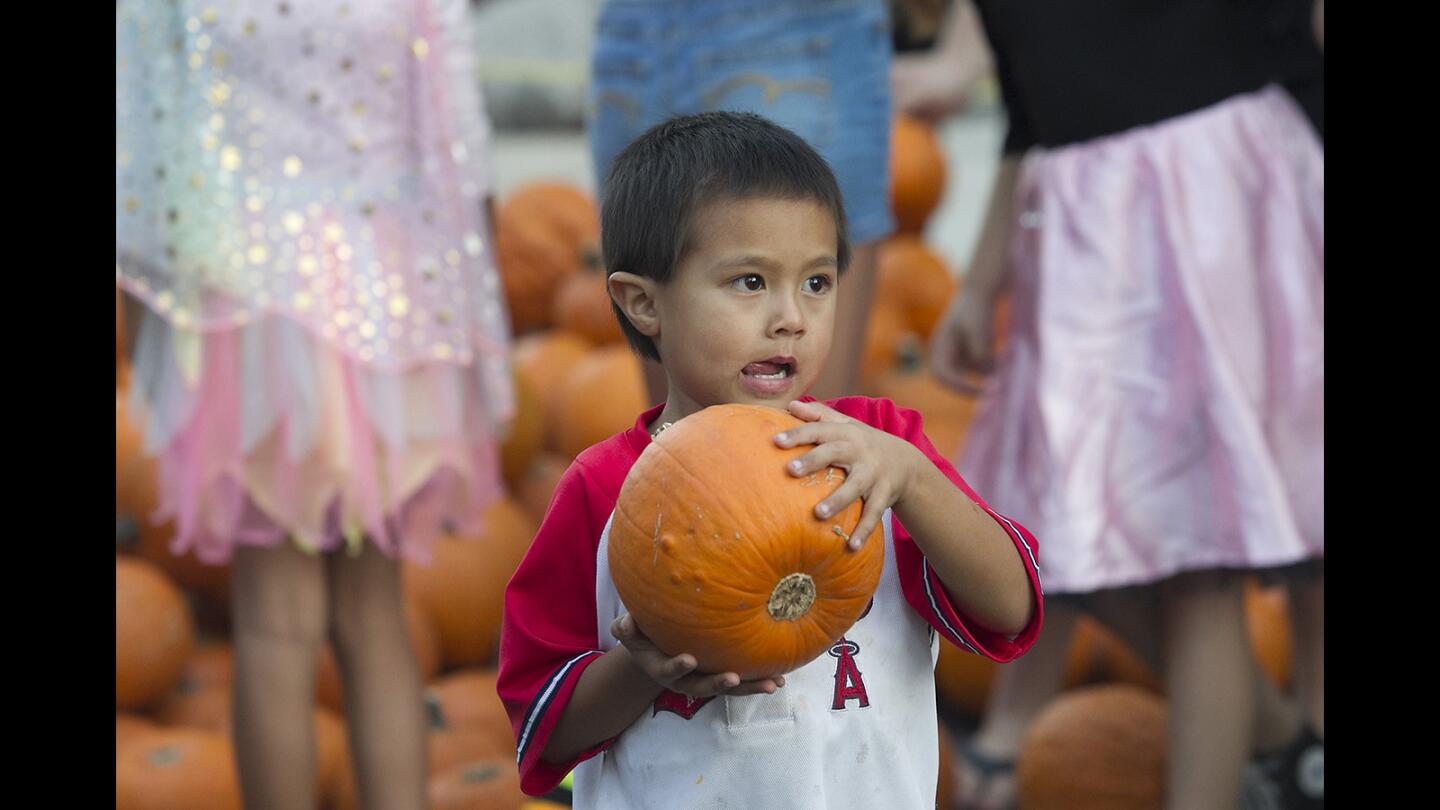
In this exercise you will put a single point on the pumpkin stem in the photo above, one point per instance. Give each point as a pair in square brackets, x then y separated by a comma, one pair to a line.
[590, 259]
[127, 533]
[434, 713]
[792, 597]
[909, 355]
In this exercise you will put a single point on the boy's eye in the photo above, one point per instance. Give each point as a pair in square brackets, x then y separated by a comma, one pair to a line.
[817, 284]
[750, 283]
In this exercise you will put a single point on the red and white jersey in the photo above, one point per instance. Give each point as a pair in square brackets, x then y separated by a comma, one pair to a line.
[853, 728]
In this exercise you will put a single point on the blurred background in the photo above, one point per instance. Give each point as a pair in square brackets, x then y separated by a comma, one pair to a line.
[577, 383]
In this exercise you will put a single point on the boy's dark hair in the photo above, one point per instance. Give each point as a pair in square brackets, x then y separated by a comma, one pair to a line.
[661, 179]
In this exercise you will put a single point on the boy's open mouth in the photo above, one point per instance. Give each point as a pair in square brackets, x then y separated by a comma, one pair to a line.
[775, 368]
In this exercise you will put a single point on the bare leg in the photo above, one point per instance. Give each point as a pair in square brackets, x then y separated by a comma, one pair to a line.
[841, 375]
[382, 680]
[1307, 616]
[280, 618]
[1211, 691]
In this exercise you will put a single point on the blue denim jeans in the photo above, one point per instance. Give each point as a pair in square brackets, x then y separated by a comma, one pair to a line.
[817, 67]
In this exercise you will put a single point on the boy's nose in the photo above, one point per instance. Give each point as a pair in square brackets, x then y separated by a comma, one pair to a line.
[788, 318]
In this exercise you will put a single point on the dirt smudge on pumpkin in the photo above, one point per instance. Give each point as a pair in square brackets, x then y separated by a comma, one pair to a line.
[655, 539]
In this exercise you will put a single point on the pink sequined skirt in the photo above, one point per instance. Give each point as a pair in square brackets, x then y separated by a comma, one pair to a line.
[284, 437]
[1160, 407]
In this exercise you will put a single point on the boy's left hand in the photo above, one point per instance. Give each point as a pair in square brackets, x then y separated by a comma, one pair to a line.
[878, 466]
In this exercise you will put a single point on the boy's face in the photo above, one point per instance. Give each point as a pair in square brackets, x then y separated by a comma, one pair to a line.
[748, 315]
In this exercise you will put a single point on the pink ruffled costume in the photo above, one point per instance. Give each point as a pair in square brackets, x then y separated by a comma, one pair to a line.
[300, 203]
[1160, 405]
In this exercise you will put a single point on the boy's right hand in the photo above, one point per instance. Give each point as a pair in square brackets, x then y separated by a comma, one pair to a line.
[677, 673]
[963, 341]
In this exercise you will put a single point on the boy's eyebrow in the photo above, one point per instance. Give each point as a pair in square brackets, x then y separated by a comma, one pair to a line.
[769, 264]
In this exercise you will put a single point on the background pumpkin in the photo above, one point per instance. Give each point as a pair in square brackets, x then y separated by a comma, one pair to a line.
[546, 359]
[544, 474]
[709, 501]
[917, 279]
[467, 699]
[946, 413]
[582, 305]
[917, 173]
[603, 395]
[525, 434]
[540, 232]
[462, 590]
[154, 634]
[1095, 748]
[486, 784]
[177, 769]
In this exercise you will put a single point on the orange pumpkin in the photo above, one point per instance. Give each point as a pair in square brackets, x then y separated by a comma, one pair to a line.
[1095, 748]
[604, 395]
[917, 280]
[525, 434]
[453, 744]
[963, 679]
[946, 413]
[467, 699]
[1119, 663]
[463, 588]
[197, 706]
[424, 642]
[485, 784]
[154, 634]
[1267, 619]
[544, 474]
[541, 231]
[582, 305]
[131, 727]
[716, 550]
[211, 664]
[332, 756]
[177, 769]
[917, 173]
[884, 335]
[545, 360]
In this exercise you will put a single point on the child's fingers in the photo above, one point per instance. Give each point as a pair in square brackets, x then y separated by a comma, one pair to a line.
[812, 433]
[849, 492]
[698, 685]
[870, 518]
[830, 454]
[762, 686]
[816, 412]
[678, 667]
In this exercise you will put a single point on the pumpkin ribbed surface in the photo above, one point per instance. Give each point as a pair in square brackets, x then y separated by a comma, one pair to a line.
[716, 550]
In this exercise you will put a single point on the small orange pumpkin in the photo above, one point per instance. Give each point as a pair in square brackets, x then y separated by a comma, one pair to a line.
[1095, 748]
[467, 699]
[177, 769]
[946, 413]
[482, 784]
[545, 360]
[452, 744]
[716, 550]
[604, 395]
[582, 305]
[885, 333]
[154, 634]
[525, 434]
[917, 279]
[540, 233]
[463, 589]
[917, 172]
[131, 727]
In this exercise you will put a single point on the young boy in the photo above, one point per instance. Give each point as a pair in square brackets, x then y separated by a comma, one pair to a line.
[725, 237]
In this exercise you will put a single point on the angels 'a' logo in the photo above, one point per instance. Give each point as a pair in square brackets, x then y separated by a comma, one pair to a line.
[683, 705]
[848, 683]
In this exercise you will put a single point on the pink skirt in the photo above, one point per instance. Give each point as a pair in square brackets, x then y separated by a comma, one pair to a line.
[1159, 407]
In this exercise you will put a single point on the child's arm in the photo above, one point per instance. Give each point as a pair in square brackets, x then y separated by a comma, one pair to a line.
[617, 689]
[976, 560]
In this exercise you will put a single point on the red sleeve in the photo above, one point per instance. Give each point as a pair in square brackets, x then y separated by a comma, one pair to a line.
[548, 634]
[922, 586]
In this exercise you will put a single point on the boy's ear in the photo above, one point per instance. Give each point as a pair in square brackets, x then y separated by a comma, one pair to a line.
[635, 296]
